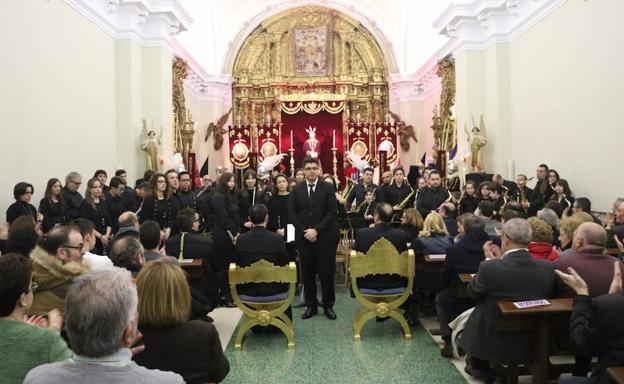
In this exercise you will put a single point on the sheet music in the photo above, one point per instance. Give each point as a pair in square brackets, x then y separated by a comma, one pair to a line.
[530, 303]
[290, 233]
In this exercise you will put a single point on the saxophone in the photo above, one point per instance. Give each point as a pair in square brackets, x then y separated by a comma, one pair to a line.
[401, 205]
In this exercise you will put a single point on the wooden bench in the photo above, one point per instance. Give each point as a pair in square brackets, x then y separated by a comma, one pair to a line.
[540, 320]
[616, 374]
[433, 264]
[193, 268]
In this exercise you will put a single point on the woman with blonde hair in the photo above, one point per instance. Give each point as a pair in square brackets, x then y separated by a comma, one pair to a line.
[164, 312]
[567, 228]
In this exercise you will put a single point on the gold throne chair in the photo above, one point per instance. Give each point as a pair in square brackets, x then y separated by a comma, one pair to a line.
[264, 310]
[381, 258]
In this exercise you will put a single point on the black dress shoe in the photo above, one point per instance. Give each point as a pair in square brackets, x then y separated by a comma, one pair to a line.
[311, 311]
[329, 313]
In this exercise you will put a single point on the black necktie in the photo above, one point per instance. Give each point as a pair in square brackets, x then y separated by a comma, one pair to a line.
[311, 192]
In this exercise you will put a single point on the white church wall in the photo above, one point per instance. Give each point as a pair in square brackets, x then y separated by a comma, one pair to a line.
[57, 98]
[567, 96]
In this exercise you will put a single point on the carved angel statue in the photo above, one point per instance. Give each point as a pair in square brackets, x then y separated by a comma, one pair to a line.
[266, 166]
[217, 130]
[477, 141]
[405, 132]
[150, 145]
[312, 147]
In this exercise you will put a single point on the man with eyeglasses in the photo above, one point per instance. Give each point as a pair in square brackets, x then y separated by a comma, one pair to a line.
[71, 196]
[57, 260]
[313, 205]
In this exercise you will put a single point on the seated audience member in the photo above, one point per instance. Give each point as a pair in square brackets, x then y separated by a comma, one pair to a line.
[509, 214]
[57, 261]
[23, 194]
[4, 237]
[25, 344]
[189, 244]
[516, 207]
[366, 237]
[128, 253]
[434, 238]
[469, 201]
[151, 239]
[549, 216]
[87, 231]
[411, 223]
[164, 312]
[615, 224]
[541, 247]
[106, 301]
[23, 236]
[583, 204]
[555, 206]
[128, 224]
[260, 244]
[566, 231]
[449, 215]
[588, 260]
[463, 257]
[596, 326]
[514, 275]
[486, 212]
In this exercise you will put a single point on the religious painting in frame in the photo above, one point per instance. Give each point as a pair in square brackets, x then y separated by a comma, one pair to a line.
[311, 48]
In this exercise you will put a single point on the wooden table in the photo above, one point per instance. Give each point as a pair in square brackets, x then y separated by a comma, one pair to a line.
[541, 320]
[193, 268]
[616, 374]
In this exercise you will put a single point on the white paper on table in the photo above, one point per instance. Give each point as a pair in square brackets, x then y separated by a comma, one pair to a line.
[290, 233]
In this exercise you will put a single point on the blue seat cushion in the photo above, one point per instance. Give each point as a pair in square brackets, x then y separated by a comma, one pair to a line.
[265, 299]
[383, 292]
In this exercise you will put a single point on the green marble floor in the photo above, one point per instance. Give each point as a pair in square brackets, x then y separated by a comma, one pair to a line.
[326, 353]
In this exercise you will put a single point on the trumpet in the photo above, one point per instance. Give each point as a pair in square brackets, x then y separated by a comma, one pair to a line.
[401, 205]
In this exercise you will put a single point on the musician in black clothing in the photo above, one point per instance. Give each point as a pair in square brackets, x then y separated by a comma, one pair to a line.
[116, 203]
[398, 190]
[52, 207]
[23, 193]
[432, 198]
[469, 201]
[341, 213]
[71, 196]
[540, 193]
[249, 195]
[226, 228]
[357, 193]
[156, 205]
[127, 194]
[278, 206]
[522, 193]
[313, 206]
[95, 209]
[175, 200]
[367, 209]
[189, 199]
[102, 176]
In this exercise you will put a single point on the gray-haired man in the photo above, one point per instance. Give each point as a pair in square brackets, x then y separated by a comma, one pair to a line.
[105, 300]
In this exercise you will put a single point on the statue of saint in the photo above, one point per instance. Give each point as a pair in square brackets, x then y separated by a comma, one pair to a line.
[150, 147]
[312, 147]
[476, 142]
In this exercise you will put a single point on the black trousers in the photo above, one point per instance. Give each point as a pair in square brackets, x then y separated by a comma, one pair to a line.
[225, 250]
[318, 258]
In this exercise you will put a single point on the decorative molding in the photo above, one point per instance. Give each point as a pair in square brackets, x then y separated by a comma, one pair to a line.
[481, 23]
[148, 22]
[209, 88]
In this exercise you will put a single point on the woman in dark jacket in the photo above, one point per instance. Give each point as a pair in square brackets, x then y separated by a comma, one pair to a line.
[157, 206]
[469, 201]
[95, 209]
[23, 193]
[164, 313]
[226, 228]
[52, 206]
[249, 194]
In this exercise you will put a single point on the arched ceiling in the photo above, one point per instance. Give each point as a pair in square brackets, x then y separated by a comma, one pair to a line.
[403, 28]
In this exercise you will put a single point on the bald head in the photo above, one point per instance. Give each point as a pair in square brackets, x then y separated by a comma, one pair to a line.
[383, 213]
[128, 219]
[589, 235]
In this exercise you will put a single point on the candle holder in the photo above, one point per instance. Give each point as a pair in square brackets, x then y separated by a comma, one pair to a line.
[291, 152]
[335, 162]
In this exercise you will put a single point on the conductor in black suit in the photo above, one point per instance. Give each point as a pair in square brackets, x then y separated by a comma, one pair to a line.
[365, 239]
[260, 244]
[313, 205]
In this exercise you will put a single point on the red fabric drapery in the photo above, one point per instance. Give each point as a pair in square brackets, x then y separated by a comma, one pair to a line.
[325, 124]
